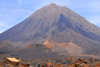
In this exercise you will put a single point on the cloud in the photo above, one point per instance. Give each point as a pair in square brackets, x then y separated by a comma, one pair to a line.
[1, 30]
[94, 19]
[3, 26]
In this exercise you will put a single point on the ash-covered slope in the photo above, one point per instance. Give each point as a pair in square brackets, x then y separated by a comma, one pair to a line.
[5, 47]
[58, 24]
[36, 51]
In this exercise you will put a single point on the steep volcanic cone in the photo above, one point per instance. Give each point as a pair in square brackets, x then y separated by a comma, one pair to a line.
[60, 25]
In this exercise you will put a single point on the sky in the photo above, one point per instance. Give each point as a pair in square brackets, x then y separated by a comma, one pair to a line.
[13, 12]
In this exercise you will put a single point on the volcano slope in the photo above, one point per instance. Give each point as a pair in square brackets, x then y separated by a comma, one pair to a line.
[65, 28]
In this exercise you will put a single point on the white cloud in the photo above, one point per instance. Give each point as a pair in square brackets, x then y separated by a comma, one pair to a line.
[1, 30]
[3, 26]
[95, 20]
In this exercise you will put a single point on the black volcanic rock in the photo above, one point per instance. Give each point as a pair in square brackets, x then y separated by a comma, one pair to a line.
[58, 24]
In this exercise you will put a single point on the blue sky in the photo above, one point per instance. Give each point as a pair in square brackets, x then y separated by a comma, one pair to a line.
[13, 12]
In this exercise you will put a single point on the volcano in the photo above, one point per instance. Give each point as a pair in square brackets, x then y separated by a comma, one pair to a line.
[66, 29]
